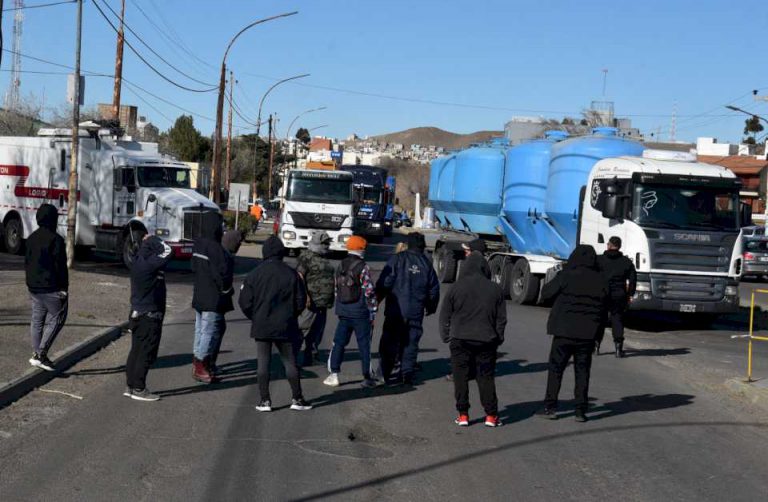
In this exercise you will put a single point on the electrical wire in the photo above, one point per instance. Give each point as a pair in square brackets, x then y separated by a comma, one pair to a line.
[153, 51]
[149, 65]
[37, 6]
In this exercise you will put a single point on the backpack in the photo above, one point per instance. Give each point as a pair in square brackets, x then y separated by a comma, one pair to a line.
[348, 288]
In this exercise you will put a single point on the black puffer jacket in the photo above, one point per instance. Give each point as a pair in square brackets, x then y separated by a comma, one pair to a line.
[148, 291]
[620, 273]
[213, 268]
[45, 262]
[581, 297]
[273, 296]
[475, 308]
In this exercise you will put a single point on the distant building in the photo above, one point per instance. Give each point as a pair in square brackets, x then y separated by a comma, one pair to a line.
[520, 129]
[147, 131]
[128, 115]
[753, 173]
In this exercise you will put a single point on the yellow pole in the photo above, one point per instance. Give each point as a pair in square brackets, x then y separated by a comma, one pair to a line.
[751, 324]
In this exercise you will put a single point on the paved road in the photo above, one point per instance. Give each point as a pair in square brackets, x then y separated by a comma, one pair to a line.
[654, 435]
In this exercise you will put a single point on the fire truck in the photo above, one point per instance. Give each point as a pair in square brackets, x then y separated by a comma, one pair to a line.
[126, 190]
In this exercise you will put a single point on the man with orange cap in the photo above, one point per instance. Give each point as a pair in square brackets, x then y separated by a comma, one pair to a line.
[356, 307]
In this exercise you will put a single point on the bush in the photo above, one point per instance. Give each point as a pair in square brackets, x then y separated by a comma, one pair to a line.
[245, 222]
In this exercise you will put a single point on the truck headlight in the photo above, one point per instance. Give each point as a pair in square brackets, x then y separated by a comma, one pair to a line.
[643, 286]
[343, 238]
[162, 232]
[731, 291]
[289, 236]
[376, 225]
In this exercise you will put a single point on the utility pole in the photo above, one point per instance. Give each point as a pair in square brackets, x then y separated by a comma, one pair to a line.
[271, 153]
[229, 130]
[72, 195]
[118, 67]
[216, 167]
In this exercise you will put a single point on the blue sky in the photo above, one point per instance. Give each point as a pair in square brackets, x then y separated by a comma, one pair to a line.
[500, 58]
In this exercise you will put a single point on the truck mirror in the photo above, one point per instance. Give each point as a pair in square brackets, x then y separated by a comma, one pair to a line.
[612, 208]
[745, 215]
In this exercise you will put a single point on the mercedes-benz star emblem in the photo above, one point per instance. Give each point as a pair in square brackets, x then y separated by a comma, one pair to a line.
[318, 218]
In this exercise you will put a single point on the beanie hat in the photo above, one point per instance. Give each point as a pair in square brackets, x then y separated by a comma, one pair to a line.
[356, 243]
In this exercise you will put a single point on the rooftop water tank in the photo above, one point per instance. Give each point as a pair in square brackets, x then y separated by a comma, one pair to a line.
[525, 190]
[570, 165]
[477, 185]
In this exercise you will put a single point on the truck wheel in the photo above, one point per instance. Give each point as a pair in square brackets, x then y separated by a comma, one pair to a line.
[129, 247]
[524, 286]
[13, 235]
[445, 265]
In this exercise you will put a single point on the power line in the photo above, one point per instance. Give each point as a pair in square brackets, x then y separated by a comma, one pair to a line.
[149, 65]
[153, 51]
[37, 6]
[166, 117]
[166, 101]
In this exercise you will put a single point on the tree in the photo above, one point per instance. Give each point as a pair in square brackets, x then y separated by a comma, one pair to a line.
[249, 150]
[25, 120]
[752, 126]
[303, 135]
[186, 142]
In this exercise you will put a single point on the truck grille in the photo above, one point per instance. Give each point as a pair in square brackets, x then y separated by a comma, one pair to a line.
[193, 223]
[317, 220]
[688, 289]
[713, 255]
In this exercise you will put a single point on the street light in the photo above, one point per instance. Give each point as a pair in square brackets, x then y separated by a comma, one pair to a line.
[737, 109]
[290, 126]
[220, 105]
[317, 127]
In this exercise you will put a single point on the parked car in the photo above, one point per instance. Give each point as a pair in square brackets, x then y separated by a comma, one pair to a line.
[753, 232]
[755, 257]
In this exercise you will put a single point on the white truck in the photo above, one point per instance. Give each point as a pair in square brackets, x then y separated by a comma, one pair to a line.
[316, 201]
[126, 190]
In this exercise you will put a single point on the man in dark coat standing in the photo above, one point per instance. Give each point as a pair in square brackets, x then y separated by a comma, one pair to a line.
[575, 322]
[212, 295]
[411, 288]
[148, 295]
[620, 273]
[272, 297]
[472, 320]
[45, 264]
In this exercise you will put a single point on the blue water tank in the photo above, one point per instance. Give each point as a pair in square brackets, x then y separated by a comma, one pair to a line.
[525, 190]
[572, 160]
[477, 187]
[441, 190]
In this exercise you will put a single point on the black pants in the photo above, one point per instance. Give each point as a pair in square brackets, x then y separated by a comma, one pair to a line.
[561, 352]
[145, 341]
[399, 343]
[467, 355]
[288, 355]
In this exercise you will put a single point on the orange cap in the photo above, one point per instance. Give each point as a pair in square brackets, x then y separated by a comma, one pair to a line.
[356, 243]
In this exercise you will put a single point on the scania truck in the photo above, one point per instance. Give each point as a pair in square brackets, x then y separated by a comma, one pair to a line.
[126, 190]
[679, 219]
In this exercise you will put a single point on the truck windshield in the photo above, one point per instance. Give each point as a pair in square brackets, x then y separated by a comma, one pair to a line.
[368, 195]
[691, 208]
[332, 191]
[154, 176]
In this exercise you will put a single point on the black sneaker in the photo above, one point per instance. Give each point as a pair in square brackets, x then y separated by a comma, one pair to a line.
[41, 361]
[580, 416]
[143, 395]
[548, 413]
[264, 405]
[300, 405]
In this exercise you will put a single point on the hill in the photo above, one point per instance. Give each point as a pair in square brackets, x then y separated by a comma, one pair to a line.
[437, 137]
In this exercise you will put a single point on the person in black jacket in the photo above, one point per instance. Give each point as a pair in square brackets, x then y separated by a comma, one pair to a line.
[212, 296]
[272, 297]
[472, 320]
[148, 296]
[620, 273]
[411, 288]
[575, 322]
[47, 278]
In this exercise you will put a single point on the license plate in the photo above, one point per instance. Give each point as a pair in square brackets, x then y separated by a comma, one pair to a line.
[687, 307]
[186, 250]
[764, 258]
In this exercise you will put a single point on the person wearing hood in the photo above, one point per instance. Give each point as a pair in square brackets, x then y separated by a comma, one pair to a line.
[411, 288]
[620, 273]
[575, 322]
[317, 272]
[472, 321]
[212, 295]
[272, 297]
[148, 295]
[45, 265]
[356, 307]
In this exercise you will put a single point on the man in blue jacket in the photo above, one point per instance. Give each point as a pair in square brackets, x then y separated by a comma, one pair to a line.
[411, 288]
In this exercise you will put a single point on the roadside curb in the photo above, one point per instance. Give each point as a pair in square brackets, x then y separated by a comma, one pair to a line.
[34, 378]
[754, 392]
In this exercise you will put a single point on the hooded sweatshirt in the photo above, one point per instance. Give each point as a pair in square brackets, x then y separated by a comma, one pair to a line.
[45, 262]
[272, 296]
[620, 273]
[318, 272]
[213, 268]
[581, 297]
[148, 291]
[474, 308]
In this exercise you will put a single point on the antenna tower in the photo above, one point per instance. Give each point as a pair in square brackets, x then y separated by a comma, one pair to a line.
[12, 96]
[673, 125]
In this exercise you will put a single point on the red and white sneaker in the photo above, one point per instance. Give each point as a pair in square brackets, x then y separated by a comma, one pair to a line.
[492, 421]
[463, 420]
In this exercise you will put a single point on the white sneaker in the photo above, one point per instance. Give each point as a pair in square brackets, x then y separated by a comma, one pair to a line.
[265, 405]
[332, 380]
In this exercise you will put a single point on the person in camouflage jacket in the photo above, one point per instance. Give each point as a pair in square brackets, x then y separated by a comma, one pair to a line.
[318, 275]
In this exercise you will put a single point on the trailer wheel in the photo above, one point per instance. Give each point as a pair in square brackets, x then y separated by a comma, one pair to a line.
[130, 246]
[13, 237]
[445, 265]
[524, 286]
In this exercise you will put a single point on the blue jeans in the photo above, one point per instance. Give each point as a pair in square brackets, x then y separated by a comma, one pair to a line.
[362, 329]
[209, 330]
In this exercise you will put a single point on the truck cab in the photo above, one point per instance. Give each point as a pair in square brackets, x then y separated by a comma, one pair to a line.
[317, 201]
[374, 194]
